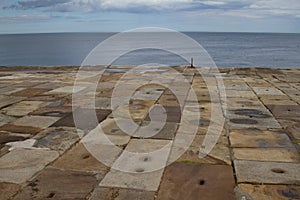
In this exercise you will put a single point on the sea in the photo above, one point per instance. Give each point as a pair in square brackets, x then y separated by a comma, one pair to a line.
[271, 50]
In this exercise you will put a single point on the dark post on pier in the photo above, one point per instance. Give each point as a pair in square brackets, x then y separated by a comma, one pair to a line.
[192, 62]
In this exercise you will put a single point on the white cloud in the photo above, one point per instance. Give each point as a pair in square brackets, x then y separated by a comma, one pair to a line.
[23, 18]
[242, 8]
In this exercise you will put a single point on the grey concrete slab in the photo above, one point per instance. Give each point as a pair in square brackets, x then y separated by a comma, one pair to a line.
[19, 165]
[59, 184]
[121, 194]
[267, 172]
[36, 121]
[272, 192]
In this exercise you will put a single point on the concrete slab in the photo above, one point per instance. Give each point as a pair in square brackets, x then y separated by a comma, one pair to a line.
[66, 89]
[20, 129]
[8, 100]
[138, 169]
[267, 154]
[19, 165]
[59, 111]
[4, 119]
[259, 138]
[291, 126]
[8, 190]
[267, 91]
[147, 94]
[139, 181]
[173, 114]
[88, 121]
[252, 117]
[59, 184]
[271, 192]
[190, 181]
[23, 108]
[36, 121]
[121, 194]
[140, 155]
[10, 90]
[30, 92]
[26, 144]
[220, 153]
[58, 139]
[285, 111]
[267, 172]
[167, 132]
[78, 158]
[6, 137]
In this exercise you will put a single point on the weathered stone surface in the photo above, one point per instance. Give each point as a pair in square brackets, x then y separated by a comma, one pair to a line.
[26, 144]
[30, 92]
[220, 153]
[23, 108]
[267, 91]
[190, 181]
[85, 120]
[66, 89]
[8, 100]
[272, 192]
[121, 194]
[251, 117]
[78, 158]
[147, 94]
[6, 137]
[9, 90]
[167, 132]
[36, 121]
[292, 126]
[60, 111]
[20, 129]
[139, 155]
[20, 165]
[59, 184]
[267, 172]
[101, 147]
[7, 190]
[277, 100]
[259, 139]
[173, 114]
[4, 119]
[58, 138]
[241, 102]
[267, 154]
[140, 181]
[285, 111]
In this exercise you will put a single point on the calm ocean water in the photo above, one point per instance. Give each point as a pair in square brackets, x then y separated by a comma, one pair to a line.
[227, 49]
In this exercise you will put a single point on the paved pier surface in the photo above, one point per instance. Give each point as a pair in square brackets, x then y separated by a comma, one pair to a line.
[256, 156]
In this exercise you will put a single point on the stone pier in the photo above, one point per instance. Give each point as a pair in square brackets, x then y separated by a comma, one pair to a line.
[44, 153]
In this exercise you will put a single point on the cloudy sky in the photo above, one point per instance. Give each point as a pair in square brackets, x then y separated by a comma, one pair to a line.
[36, 16]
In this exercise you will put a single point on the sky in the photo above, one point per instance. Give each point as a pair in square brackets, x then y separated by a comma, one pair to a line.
[45, 16]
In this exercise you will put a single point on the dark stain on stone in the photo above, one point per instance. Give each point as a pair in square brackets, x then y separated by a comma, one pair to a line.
[51, 195]
[201, 182]
[289, 193]
[243, 121]
[278, 171]
[262, 143]
[203, 122]
[251, 113]
[139, 170]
